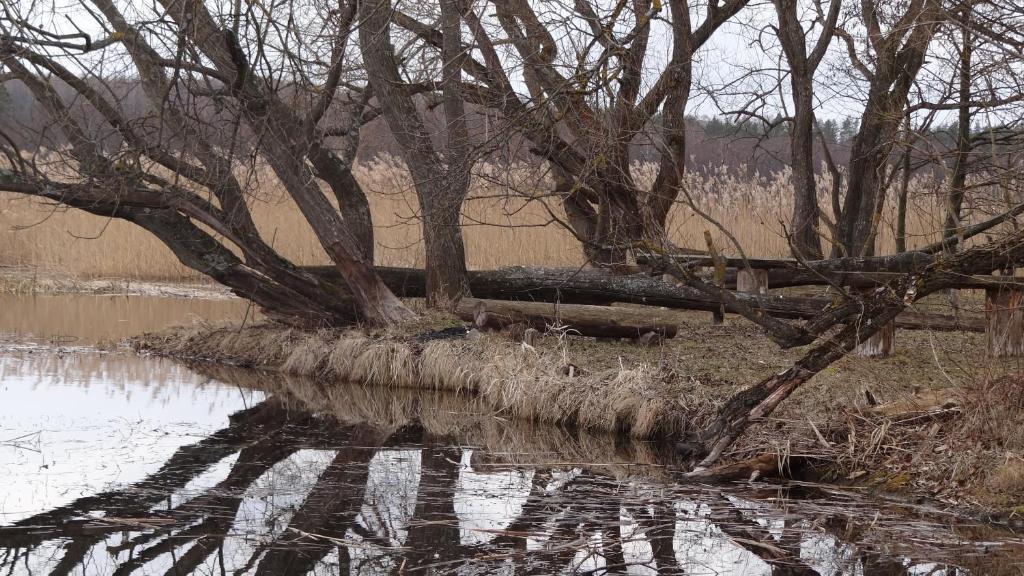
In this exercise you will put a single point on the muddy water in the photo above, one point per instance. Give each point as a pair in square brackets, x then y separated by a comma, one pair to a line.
[115, 464]
[88, 319]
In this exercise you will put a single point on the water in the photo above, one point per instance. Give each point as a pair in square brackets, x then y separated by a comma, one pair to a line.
[116, 464]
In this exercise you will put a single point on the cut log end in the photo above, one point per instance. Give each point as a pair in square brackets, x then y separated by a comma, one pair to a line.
[880, 345]
[1004, 323]
[752, 281]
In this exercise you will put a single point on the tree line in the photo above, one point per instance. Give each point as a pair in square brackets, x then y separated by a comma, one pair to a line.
[289, 84]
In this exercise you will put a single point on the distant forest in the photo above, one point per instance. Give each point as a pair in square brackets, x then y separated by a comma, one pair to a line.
[749, 147]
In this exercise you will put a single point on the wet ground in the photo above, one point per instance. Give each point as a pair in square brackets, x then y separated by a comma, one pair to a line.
[115, 464]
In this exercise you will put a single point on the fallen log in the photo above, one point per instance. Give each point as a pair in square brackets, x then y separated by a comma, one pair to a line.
[788, 278]
[600, 321]
[598, 287]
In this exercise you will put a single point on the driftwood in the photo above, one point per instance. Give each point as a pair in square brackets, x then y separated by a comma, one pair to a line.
[589, 286]
[763, 466]
[601, 321]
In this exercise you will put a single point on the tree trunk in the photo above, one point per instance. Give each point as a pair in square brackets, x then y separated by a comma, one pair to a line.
[284, 151]
[898, 57]
[352, 201]
[672, 164]
[901, 200]
[375, 303]
[199, 251]
[600, 321]
[619, 224]
[958, 181]
[1004, 333]
[759, 401]
[441, 185]
[868, 157]
[596, 287]
[447, 279]
[805, 238]
[880, 344]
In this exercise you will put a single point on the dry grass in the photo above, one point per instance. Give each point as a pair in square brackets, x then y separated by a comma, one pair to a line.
[633, 396]
[502, 228]
[450, 417]
[644, 392]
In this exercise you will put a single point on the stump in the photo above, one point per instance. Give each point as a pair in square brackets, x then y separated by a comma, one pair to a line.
[1004, 323]
[752, 281]
[880, 345]
[718, 317]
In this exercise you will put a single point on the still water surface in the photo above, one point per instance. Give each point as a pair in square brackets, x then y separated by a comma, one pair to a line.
[112, 463]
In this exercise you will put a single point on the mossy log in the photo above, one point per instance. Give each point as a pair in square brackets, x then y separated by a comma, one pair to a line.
[600, 321]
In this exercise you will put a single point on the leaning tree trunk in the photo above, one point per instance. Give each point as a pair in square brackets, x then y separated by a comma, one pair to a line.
[284, 149]
[759, 401]
[201, 252]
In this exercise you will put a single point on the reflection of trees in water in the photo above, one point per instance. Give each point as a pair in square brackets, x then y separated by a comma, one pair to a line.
[307, 495]
[84, 368]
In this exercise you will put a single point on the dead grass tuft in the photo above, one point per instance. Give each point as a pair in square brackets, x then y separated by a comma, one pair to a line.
[528, 383]
[466, 420]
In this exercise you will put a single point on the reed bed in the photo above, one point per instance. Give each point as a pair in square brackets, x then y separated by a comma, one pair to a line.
[510, 219]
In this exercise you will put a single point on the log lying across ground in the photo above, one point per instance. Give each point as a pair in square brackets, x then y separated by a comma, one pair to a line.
[863, 272]
[590, 286]
[586, 320]
[787, 278]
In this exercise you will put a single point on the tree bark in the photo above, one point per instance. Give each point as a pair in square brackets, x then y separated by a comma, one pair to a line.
[600, 321]
[596, 287]
[805, 239]
[441, 185]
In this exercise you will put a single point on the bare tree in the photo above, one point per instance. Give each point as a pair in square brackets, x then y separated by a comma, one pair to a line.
[441, 180]
[583, 70]
[214, 86]
[897, 38]
[802, 66]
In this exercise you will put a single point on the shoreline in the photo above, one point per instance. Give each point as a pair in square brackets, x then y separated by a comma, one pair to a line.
[908, 446]
[23, 281]
[916, 443]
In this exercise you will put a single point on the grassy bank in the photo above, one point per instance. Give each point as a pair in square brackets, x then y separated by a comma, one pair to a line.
[948, 425]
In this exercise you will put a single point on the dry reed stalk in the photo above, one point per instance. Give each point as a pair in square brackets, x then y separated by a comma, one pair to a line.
[502, 226]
